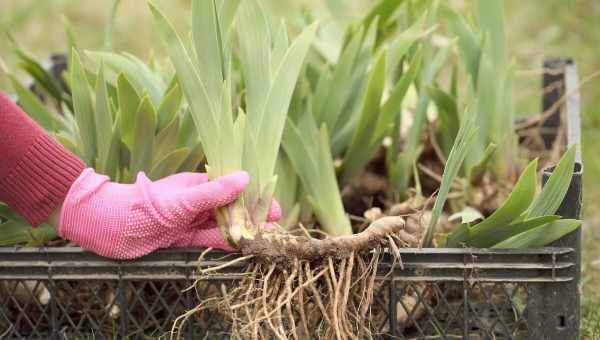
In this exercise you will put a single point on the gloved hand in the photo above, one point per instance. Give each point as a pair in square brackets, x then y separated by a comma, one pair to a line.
[125, 221]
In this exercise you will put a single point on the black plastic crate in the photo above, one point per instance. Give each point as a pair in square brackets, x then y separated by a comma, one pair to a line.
[484, 293]
[68, 293]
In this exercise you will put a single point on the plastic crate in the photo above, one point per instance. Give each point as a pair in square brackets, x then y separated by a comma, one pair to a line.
[66, 293]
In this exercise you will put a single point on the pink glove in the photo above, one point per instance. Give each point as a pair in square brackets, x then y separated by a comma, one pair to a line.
[125, 221]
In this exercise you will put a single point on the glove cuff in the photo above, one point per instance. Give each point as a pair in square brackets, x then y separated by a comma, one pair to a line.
[83, 188]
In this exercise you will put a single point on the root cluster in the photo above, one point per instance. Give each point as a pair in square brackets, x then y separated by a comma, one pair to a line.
[303, 288]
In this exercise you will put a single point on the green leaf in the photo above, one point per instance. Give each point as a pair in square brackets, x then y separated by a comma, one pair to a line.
[193, 160]
[41, 234]
[553, 193]
[9, 214]
[108, 32]
[16, 232]
[321, 92]
[129, 101]
[341, 135]
[280, 44]
[503, 133]
[301, 154]
[448, 116]
[540, 236]
[169, 106]
[468, 43]
[166, 140]
[250, 161]
[263, 204]
[286, 190]
[227, 12]
[355, 158]
[334, 97]
[113, 160]
[103, 121]
[84, 110]
[486, 100]
[271, 122]
[255, 47]
[234, 144]
[309, 152]
[479, 169]
[203, 107]
[143, 142]
[491, 20]
[70, 35]
[67, 140]
[137, 72]
[397, 175]
[290, 217]
[461, 147]
[458, 237]
[382, 12]
[393, 105]
[330, 206]
[402, 43]
[517, 202]
[432, 66]
[36, 110]
[187, 131]
[206, 34]
[268, 97]
[491, 237]
[169, 164]
[42, 77]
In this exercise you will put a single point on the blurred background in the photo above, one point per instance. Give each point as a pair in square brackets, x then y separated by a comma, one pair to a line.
[536, 29]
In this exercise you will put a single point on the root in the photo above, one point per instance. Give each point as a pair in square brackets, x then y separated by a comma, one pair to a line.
[283, 247]
[298, 288]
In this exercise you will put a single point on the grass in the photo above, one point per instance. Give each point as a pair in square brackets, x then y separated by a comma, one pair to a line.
[590, 328]
[536, 30]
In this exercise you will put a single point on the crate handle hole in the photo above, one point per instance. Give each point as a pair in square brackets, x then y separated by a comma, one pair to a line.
[562, 322]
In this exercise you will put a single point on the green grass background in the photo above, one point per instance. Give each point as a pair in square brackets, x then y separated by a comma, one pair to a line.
[536, 29]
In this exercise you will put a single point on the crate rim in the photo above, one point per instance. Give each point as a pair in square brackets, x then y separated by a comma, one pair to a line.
[548, 264]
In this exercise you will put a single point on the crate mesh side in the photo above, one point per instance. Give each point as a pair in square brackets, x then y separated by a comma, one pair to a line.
[113, 309]
[456, 310]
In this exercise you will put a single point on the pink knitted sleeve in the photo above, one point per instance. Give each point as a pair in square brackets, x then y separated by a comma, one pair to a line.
[35, 170]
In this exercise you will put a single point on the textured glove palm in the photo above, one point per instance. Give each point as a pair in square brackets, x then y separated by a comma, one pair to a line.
[125, 221]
